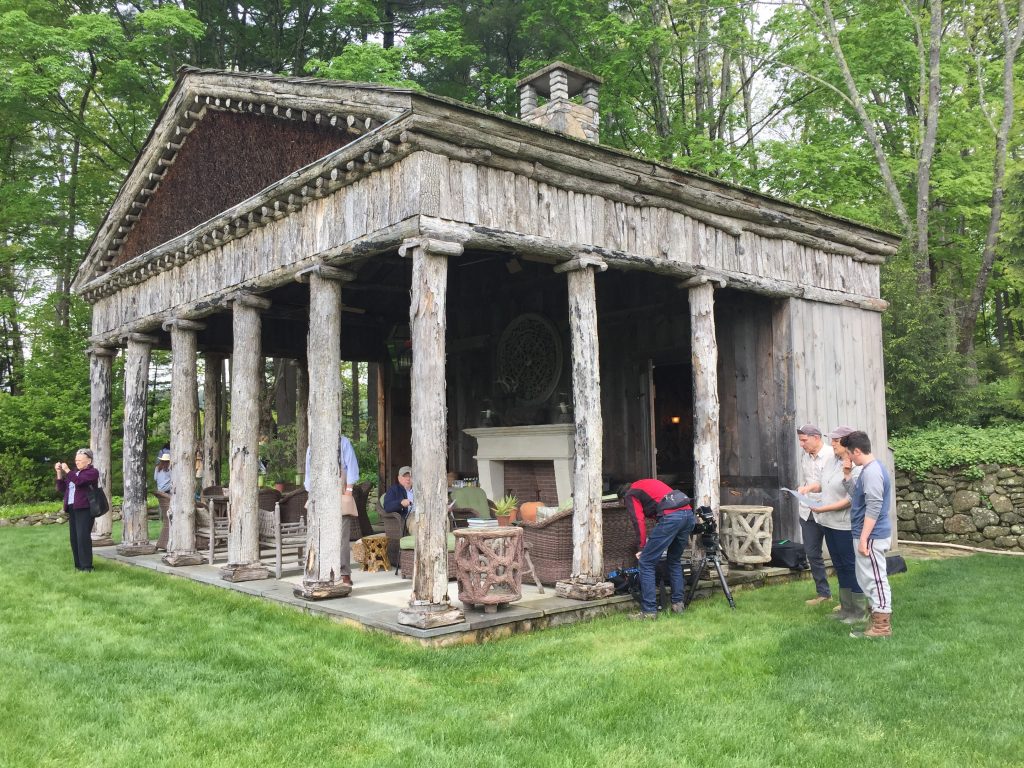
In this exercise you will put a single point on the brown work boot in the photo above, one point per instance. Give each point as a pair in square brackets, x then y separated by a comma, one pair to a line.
[678, 607]
[880, 626]
[818, 600]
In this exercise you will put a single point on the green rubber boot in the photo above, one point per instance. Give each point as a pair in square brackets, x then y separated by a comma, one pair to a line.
[859, 609]
[845, 608]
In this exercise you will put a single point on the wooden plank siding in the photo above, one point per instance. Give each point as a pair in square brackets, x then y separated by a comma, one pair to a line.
[477, 195]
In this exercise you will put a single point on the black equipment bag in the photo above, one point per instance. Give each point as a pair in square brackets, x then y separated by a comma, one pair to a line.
[98, 504]
[895, 564]
[789, 554]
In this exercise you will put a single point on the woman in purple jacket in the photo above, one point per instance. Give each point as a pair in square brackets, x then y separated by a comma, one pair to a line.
[73, 485]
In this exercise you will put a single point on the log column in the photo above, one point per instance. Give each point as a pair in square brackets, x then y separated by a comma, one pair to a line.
[135, 533]
[429, 605]
[588, 578]
[181, 544]
[243, 508]
[704, 351]
[212, 405]
[322, 577]
[100, 366]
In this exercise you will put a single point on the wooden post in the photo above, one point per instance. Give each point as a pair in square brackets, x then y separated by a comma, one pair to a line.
[429, 605]
[588, 579]
[100, 365]
[135, 528]
[301, 416]
[704, 351]
[243, 507]
[322, 576]
[211, 419]
[181, 544]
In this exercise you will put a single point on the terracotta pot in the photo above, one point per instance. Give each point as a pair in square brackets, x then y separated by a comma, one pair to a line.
[503, 519]
[528, 511]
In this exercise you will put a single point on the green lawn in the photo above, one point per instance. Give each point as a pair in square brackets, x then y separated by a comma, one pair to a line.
[125, 667]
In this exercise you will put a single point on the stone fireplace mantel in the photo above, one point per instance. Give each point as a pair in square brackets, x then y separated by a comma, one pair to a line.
[539, 442]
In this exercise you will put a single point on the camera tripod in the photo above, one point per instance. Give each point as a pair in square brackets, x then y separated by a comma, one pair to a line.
[712, 555]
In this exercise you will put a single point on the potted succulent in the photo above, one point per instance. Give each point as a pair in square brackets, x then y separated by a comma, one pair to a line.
[505, 508]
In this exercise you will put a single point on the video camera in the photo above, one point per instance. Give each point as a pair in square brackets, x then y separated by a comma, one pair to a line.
[705, 524]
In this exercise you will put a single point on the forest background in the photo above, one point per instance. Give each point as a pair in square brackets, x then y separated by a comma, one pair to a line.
[898, 113]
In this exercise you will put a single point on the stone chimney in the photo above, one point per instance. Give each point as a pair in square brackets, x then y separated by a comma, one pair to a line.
[558, 83]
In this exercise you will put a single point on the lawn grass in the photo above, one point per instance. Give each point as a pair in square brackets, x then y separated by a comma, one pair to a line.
[127, 667]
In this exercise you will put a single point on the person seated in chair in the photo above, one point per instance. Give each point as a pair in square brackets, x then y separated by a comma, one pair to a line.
[399, 497]
[671, 532]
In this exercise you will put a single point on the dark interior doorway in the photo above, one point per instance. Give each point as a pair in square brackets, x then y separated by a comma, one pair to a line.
[673, 424]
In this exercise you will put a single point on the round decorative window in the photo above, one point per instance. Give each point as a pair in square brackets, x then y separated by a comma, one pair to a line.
[529, 358]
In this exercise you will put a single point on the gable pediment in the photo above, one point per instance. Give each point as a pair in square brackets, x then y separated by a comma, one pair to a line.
[227, 158]
[220, 139]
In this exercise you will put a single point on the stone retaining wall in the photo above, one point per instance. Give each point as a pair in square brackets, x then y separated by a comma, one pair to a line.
[980, 506]
[48, 518]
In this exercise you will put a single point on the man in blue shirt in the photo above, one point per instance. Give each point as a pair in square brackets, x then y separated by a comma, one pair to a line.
[871, 531]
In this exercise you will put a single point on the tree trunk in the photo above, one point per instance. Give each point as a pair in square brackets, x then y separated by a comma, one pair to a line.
[355, 430]
[100, 385]
[429, 605]
[1012, 42]
[301, 417]
[321, 578]
[243, 508]
[829, 28]
[212, 405]
[135, 528]
[704, 355]
[924, 163]
[587, 533]
[181, 545]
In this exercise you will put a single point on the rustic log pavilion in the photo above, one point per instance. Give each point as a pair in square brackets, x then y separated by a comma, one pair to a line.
[674, 325]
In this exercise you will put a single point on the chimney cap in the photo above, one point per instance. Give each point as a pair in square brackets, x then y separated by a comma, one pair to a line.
[578, 78]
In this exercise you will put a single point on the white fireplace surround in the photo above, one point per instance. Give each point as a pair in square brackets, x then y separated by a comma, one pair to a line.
[539, 442]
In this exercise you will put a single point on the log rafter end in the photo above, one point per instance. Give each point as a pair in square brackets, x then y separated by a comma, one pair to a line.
[432, 246]
[582, 262]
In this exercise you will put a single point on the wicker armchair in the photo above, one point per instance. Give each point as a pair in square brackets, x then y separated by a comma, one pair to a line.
[550, 543]
[394, 529]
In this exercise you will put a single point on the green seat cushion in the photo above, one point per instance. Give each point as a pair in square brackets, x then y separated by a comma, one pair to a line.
[409, 542]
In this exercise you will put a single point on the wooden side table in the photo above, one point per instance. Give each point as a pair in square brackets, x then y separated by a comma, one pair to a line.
[488, 566]
[375, 553]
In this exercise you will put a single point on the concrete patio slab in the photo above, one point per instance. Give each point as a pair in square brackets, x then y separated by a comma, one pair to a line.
[376, 599]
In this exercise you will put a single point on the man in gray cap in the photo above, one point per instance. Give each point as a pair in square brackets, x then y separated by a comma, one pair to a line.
[833, 514]
[815, 455]
[399, 498]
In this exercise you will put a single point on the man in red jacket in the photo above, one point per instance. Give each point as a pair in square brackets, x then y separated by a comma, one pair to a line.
[671, 532]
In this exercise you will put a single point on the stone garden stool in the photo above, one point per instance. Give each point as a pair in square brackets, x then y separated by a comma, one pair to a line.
[746, 532]
[375, 553]
[488, 566]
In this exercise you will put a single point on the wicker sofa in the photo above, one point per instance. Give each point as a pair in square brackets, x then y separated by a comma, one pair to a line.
[550, 543]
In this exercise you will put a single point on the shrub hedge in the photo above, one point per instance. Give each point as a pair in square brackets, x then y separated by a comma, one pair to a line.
[944, 446]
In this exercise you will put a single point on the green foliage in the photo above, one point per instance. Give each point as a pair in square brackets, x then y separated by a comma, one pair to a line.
[278, 454]
[366, 453]
[365, 63]
[945, 446]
